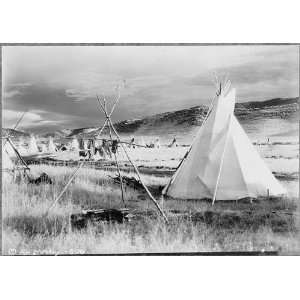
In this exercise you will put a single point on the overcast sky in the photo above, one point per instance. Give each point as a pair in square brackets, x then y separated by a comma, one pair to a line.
[57, 85]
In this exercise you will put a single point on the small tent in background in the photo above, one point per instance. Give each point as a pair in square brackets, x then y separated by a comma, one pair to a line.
[8, 149]
[7, 163]
[222, 163]
[51, 145]
[131, 142]
[32, 148]
[74, 144]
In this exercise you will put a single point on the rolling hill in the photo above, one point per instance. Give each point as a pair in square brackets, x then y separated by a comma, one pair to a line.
[183, 121]
[15, 134]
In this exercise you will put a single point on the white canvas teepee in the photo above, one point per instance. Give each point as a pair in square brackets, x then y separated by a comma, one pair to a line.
[51, 145]
[222, 163]
[32, 148]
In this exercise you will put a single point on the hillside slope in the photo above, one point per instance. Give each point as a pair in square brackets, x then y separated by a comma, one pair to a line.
[184, 121]
[12, 133]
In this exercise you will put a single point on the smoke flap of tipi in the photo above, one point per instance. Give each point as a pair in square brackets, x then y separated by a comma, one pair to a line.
[222, 163]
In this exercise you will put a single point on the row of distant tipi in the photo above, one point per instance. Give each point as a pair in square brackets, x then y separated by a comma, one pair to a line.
[31, 149]
[10, 151]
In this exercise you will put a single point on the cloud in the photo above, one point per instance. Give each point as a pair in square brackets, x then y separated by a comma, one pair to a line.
[10, 118]
[20, 84]
[59, 84]
[11, 94]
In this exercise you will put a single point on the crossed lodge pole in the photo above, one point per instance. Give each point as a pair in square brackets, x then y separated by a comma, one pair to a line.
[79, 166]
[111, 126]
[108, 119]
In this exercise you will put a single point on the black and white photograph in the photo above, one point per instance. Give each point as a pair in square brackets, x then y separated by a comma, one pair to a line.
[150, 149]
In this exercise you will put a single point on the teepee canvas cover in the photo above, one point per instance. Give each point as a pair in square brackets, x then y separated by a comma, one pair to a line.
[222, 163]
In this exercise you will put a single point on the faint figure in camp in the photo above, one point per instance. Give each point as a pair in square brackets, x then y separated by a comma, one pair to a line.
[132, 143]
[150, 145]
[91, 148]
[106, 147]
[157, 143]
[64, 147]
[81, 144]
[82, 149]
[173, 143]
[114, 146]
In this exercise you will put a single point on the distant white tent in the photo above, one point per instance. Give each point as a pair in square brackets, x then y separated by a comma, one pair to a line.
[32, 148]
[7, 163]
[222, 163]
[8, 149]
[74, 144]
[51, 145]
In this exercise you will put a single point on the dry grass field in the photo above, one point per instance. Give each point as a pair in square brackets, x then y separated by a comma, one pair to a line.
[264, 225]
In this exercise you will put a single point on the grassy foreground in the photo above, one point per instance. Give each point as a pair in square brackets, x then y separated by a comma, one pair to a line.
[194, 225]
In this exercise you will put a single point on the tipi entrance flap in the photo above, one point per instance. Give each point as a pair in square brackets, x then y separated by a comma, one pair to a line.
[259, 179]
[232, 184]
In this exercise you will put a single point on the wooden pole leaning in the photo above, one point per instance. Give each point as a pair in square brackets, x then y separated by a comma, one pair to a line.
[222, 160]
[71, 177]
[115, 156]
[139, 176]
[65, 188]
[128, 157]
